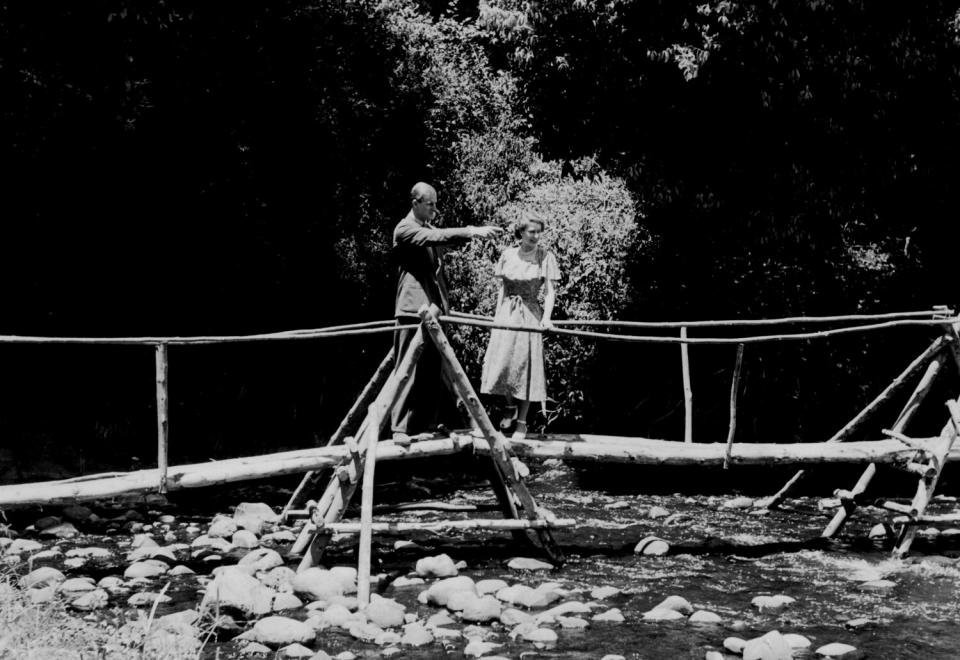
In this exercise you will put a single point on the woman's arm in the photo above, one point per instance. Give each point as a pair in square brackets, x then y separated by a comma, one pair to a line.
[549, 297]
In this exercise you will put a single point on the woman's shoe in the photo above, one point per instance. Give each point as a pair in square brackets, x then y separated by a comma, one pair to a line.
[509, 416]
[520, 432]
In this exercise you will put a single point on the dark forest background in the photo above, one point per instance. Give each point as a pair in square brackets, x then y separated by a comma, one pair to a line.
[177, 168]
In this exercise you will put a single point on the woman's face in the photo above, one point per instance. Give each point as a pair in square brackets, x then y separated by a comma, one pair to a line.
[530, 235]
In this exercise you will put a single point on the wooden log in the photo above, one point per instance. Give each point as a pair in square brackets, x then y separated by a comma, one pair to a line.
[949, 519]
[890, 505]
[864, 414]
[922, 470]
[367, 395]
[163, 418]
[668, 452]
[445, 525]
[919, 444]
[906, 414]
[366, 514]
[337, 495]
[494, 440]
[687, 389]
[734, 385]
[926, 487]
[211, 473]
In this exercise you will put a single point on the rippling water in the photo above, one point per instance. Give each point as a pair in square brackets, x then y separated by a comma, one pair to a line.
[721, 558]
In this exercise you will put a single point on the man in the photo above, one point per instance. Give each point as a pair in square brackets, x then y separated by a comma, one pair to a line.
[418, 247]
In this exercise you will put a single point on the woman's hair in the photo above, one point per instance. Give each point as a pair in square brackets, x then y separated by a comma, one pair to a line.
[525, 220]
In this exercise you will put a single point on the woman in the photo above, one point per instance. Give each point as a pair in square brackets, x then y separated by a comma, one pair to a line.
[513, 365]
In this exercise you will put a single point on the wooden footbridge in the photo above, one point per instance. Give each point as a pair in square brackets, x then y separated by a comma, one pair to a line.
[348, 460]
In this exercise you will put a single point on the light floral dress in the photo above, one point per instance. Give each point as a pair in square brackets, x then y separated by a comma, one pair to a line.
[514, 360]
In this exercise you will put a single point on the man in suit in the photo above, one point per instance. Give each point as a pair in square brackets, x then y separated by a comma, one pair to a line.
[418, 247]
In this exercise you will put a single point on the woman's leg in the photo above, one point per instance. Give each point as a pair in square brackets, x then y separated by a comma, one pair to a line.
[509, 412]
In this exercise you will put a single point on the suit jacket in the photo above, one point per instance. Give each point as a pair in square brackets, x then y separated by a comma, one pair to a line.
[418, 250]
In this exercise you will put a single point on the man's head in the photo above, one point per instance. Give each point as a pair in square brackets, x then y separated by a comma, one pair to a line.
[423, 201]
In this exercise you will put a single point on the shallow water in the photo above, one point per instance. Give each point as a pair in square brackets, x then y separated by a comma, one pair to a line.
[720, 559]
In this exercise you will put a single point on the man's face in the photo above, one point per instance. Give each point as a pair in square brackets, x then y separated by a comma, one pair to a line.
[425, 208]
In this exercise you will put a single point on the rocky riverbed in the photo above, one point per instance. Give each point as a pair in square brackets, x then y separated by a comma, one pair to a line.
[668, 576]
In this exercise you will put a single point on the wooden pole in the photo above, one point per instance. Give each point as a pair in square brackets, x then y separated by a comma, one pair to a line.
[366, 513]
[909, 409]
[494, 439]
[687, 390]
[163, 419]
[444, 525]
[865, 414]
[926, 487]
[337, 495]
[734, 385]
[369, 393]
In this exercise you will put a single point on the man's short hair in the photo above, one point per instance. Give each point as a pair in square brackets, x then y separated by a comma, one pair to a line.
[418, 190]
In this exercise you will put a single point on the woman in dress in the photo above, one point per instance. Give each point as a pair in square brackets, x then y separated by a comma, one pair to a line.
[513, 365]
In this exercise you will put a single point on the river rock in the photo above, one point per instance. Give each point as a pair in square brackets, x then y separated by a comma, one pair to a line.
[244, 538]
[677, 603]
[613, 656]
[771, 646]
[280, 631]
[439, 592]
[253, 515]
[661, 614]
[387, 638]
[703, 616]
[653, 546]
[261, 559]
[255, 648]
[45, 522]
[835, 649]
[734, 645]
[572, 622]
[485, 587]
[385, 613]
[90, 553]
[602, 593]
[286, 601]
[796, 641]
[347, 576]
[276, 538]
[415, 634]
[295, 651]
[77, 513]
[221, 527]
[112, 583]
[771, 602]
[878, 585]
[146, 569]
[214, 542]
[878, 531]
[461, 599]
[180, 569]
[45, 576]
[147, 598]
[528, 564]
[279, 578]
[439, 566]
[234, 587]
[318, 584]
[365, 632]
[142, 541]
[64, 530]
[21, 546]
[713, 655]
[570, 607]
[541, 636]
[657, 512]
[92, 600]
[76, 586]
[738, 503]
[482, 609]
[404, 581]
[338, 616]
[477, 648]
[610, 616]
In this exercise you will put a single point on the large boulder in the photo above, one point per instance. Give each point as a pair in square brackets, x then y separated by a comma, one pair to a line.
[261, 559]
[252, 516]
[45, 576]
[481, 610]
[318, 583]
[440, 592]
[440, 566]
[234, 587]
[771, 646]
[279, 631]
[385, 613]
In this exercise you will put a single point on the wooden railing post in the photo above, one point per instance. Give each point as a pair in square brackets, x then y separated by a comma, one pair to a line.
[687, 390]
[163, 420]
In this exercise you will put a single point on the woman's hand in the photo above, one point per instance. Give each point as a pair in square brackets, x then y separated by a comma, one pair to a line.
[546, 324]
